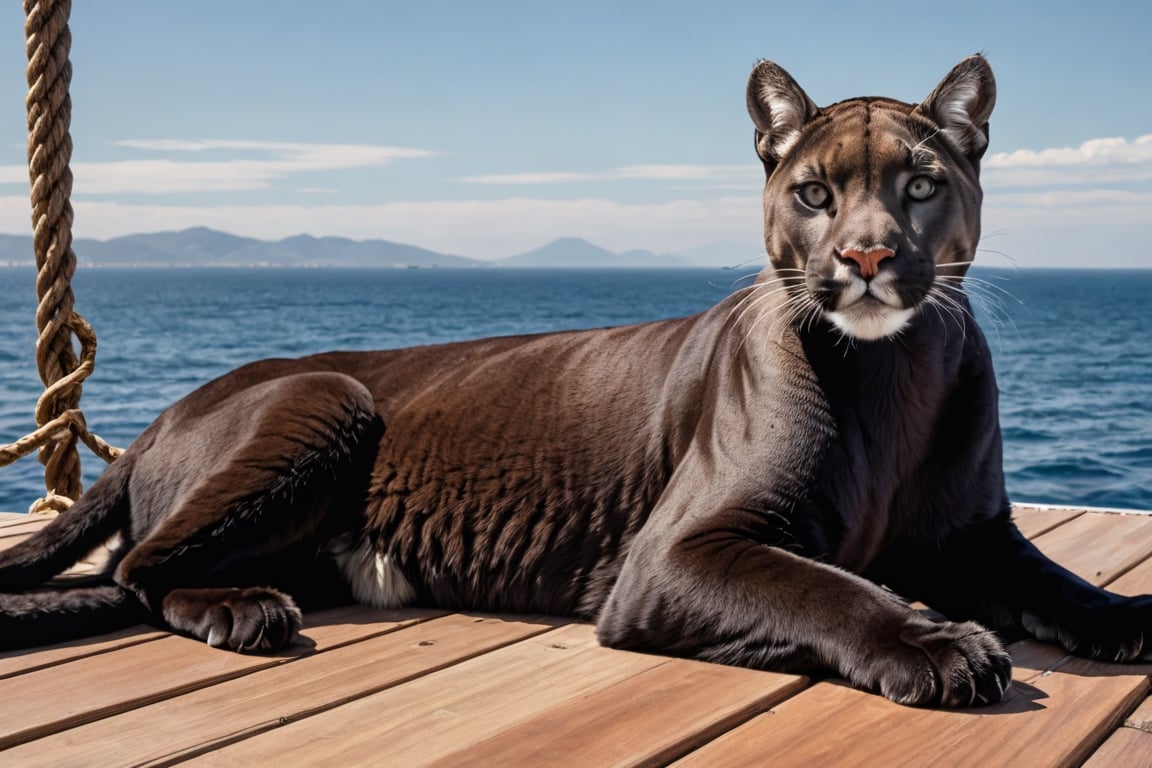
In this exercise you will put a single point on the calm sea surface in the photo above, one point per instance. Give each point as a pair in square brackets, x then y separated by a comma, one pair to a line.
[1073, 349]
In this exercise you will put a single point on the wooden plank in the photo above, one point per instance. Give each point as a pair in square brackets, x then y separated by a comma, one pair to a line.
[1141, 719]
[1033, 521]
[55, 698]
[342, 625]
[28, 660]
[14, 534]
[10, 519]
[1130, 746]
[650, 719]
[434, 716]
[1052, 717]
[336, 627]
[503, 708]
[1099, 546]
[1126, 748]
[1137, 581]
[22, 525]
[202, 720]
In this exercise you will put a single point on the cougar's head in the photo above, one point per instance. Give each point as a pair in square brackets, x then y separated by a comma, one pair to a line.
[870, 201]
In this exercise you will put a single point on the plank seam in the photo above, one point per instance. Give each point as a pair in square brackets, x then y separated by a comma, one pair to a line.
[128, 643]
[1086, 749]
[1060, 523]
[270, 725]
[699, 740]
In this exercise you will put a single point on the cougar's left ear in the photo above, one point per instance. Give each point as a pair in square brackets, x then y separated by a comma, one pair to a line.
[962, 104]
[779, 108]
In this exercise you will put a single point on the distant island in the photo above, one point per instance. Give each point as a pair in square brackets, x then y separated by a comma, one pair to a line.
[204, 247]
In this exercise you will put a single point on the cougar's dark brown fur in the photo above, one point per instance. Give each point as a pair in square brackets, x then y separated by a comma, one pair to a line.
[762, 484]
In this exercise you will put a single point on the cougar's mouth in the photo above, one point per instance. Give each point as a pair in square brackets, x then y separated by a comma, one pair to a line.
[869, 319]
[870, 310]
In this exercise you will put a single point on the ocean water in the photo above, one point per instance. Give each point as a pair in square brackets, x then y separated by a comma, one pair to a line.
[1072, 348]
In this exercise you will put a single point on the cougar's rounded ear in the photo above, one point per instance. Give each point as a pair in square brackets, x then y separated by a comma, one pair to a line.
[779, 108]
[962, 104]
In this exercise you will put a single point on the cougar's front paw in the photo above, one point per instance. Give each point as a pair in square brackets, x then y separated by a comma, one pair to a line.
[246, 620]
[945, 664]
[1119, 631]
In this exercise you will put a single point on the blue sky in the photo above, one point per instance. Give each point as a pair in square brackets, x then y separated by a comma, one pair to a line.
[486, 129]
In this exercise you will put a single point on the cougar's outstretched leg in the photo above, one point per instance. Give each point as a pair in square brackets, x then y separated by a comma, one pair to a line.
[1019, 592]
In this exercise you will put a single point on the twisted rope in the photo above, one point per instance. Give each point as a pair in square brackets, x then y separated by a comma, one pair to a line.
[60, 424]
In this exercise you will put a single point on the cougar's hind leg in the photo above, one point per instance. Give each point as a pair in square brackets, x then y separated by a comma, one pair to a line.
[292, 474]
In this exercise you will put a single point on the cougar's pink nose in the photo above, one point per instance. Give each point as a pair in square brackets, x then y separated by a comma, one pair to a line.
[869, 261]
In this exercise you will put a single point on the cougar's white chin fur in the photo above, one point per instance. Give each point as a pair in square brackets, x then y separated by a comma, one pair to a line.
[871, 320]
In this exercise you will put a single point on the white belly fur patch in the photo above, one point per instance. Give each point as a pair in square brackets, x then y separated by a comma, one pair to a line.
[373, 577]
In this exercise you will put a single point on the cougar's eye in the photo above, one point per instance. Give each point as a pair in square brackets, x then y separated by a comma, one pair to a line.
[921, 188]
[814, 194]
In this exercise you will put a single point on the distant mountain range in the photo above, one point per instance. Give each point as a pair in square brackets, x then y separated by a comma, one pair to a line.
[574, 252]
[203, 247]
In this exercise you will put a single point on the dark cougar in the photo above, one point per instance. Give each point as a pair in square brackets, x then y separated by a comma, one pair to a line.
[734, 486]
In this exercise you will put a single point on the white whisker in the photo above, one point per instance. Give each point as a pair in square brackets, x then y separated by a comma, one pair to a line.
[939, 297]
[764, 293]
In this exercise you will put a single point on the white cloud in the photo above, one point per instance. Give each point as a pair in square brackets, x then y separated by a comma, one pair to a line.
[290, 155]
[1094, 162]
[628, 172]
[1105, 151]
[260, 167]
[1036, 199]
[1097, 161]
[529, 178]
[685, 172]
[1067, 176]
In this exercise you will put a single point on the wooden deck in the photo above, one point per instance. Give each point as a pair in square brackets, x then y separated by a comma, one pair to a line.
[421, 687]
